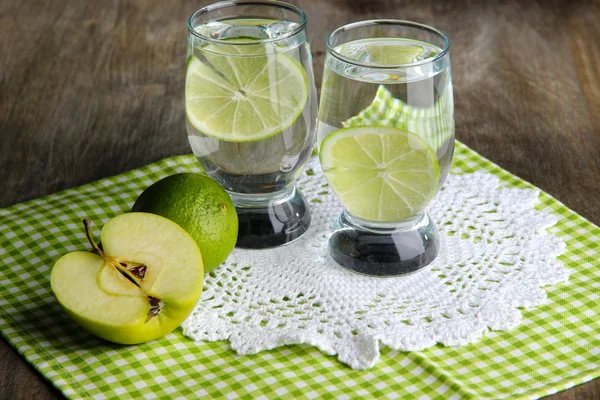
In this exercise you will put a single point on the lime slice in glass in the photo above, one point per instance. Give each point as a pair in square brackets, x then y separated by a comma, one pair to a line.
[380, 174]
[381, 51]
[245, 95]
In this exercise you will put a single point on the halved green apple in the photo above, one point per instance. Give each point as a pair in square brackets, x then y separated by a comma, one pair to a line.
[140, 285]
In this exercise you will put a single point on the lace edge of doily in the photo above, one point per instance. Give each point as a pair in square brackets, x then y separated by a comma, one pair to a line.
[501, 314]
[363, 352]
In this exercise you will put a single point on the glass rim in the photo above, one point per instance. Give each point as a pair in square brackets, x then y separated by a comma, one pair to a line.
[233, 3]
[398, 22]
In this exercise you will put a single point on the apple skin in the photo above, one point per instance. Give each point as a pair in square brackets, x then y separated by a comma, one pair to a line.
[102, 301]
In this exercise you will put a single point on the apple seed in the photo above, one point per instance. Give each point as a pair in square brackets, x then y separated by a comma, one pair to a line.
[155, 307]
[139, 271]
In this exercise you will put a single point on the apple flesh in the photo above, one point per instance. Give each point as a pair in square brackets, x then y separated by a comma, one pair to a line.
[142, 284]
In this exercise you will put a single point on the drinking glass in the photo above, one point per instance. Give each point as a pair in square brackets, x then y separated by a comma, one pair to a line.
[386, 138]
[251, 109]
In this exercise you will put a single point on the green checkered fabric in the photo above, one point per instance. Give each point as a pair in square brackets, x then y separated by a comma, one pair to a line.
[434, 124]
[556, 347]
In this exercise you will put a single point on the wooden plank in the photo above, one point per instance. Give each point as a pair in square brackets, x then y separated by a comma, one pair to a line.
[92, 89]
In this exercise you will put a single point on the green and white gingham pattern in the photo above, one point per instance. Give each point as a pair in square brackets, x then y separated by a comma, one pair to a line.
[434, 124]
[557, 345]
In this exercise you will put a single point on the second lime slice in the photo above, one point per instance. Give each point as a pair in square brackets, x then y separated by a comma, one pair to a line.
[381, 52]
[380, 174]
[241, 97]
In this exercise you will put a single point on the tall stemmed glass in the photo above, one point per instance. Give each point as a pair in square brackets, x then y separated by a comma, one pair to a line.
[251, 109]
[386, 134]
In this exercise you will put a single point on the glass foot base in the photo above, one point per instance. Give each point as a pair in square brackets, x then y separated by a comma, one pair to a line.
[275, 224]
[384, 250]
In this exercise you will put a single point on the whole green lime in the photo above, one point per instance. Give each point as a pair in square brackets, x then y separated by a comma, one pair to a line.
[201, 207]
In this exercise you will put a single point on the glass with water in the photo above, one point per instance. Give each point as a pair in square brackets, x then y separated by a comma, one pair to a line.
[251, 111]
[386, 138]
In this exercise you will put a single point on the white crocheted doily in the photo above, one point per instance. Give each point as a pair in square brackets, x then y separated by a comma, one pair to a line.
[495, 255]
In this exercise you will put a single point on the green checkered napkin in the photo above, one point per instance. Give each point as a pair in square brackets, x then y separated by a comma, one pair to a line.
[434, 124]
[556, 347]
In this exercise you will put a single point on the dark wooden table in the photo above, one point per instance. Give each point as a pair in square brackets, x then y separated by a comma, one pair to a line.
[92, 89]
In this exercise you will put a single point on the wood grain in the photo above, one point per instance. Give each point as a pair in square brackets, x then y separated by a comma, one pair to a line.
[92, 89]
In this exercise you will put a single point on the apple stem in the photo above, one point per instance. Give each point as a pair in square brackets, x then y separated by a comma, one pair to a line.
[87, 223]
